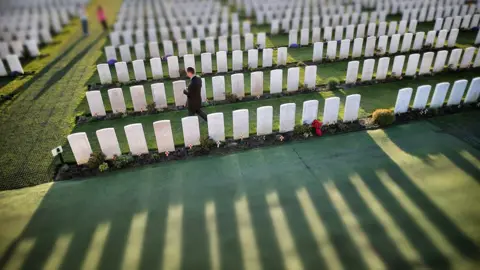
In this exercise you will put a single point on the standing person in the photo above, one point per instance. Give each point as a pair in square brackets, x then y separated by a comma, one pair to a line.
[101, 18]
[194, 96]
[82, 13]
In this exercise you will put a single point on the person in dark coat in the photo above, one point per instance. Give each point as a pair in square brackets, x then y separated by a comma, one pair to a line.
[194, 96]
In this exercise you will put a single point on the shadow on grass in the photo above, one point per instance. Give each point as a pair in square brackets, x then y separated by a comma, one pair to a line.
[256, 216]
[61, 73]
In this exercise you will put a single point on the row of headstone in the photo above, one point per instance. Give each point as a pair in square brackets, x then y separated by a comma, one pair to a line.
[188, 33]
[137, 143]
[455, 61]
[342, 19]
[422, 95]
[14, 65]
[18, 48]
[182, 46]
[457, 22]
[383, 45]
[189, 61]
[350, 32]
[117, 102]
[431, 13]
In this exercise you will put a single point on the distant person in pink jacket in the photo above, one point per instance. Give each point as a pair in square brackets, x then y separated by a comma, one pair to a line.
[101, 17]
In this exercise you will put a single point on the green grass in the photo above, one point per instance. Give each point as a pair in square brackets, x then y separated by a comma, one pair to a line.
[401, 198]
[373, 97]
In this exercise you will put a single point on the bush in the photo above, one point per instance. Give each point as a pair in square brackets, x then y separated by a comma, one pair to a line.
[302, 130]
[332, 84]
[103, 167]
[206, 143]
[122, 161]
[151, 107]
[383, 117]
[95, 160]
[231, 97]
[301, 64]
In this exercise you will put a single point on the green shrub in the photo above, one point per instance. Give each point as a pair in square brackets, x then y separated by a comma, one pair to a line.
[383, 117]
[122, 161]
[301, 64]
[96, 158]
[231, 97]
[302, 130]
[103, 167]
[332, 84]
[206, 143]
[151, 107]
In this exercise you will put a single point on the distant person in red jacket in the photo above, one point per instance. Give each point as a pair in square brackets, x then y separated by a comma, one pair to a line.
[101, 17]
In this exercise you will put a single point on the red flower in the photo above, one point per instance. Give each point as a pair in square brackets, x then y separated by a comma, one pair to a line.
[318, 127]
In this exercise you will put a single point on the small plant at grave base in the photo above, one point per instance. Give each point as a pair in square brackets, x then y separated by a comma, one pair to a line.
[383, 117]
[301, 64]
[332, 84]
[122, 161]
[155, 156]
[96, 158]
[302, 131]
[378, 51]
[452, 67]
[151, 107]
[103, 167]
[231, 98]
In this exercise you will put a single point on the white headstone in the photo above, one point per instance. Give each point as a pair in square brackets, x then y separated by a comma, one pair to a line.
[241, 128]
[261, 40]
[440, 61]
[310, 77]
[191, 130]
[196, 47]
[338, 32]
[110, 53]
[452, 38]
[317, 51]
[276, 81]
[107, 138]
[264, 120]
[439, 95]
[238, 84]
[216, 127]
[392, 28]
[140, 51]
[412, 64]
[80, 147]
[206, 60]
[394, 43]
[467, 57]
[222, 65]
[173, 67]
[121, 69]
[256, 83]
[189, 61]
[398, 63]
[182, 47]
[370, 47]
[164, 136]
[371, 29]
[180, 97]
[310, 111]
[382, 68]
[473, 91]
[426, 63]
[330, 111]
[210, 44]
[442, 35]
[454, 58]
[293, 79]
[117, 102]
[267, 58]
[253, 58]
[421, 97]
[236, 42]
[357, 47]
[344, 49]
[138, 98]
[157, 69]
[125, 53]
[352, 105]
[237, 60]
[103, 72]
[367, 70]
[168, 47]
[331, 50]
[159, 97]
[457, 92]
[139, 70]
[352, 72]
[304, 37]
[418, 42]
[403, 100]
[282, 56]
[136, 139]
[382, 45]
[218, 85]
[153, 49]
[223, 43]
[95, 103]
[316, 35]
[287, 117]
[407, 42]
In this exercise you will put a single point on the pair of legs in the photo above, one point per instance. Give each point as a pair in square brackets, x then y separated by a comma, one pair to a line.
[85, 27]
[198, 112]
[105, 26]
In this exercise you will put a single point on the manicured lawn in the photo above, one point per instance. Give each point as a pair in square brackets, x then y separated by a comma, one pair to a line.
[373, 97]
[401, 198]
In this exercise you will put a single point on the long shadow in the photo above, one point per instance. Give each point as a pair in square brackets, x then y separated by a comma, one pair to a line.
[61, 73]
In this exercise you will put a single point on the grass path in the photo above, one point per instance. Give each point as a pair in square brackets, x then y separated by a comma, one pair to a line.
[42, 114]
[413, 203]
